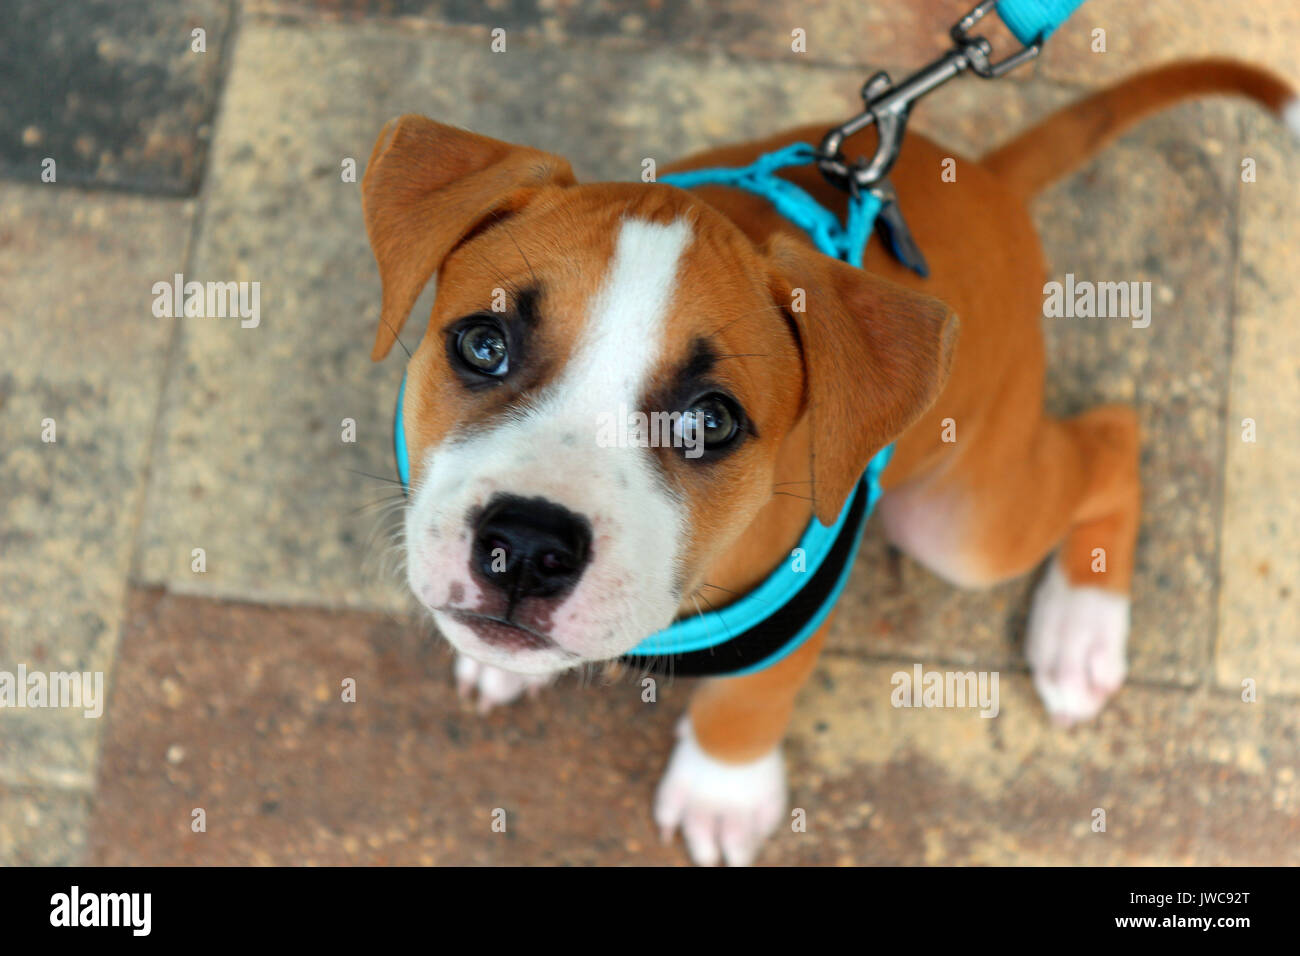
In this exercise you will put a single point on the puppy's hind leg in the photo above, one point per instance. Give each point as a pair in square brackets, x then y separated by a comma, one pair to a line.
[1069, 489]
[1079, 621]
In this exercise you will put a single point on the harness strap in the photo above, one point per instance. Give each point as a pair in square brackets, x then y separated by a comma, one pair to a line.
[846, 242]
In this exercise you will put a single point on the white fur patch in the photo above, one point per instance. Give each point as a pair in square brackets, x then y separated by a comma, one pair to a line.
[625, 331]
[725, 811]
[551, 451]
[494, 686]
[1076, 646]
[1291, 117]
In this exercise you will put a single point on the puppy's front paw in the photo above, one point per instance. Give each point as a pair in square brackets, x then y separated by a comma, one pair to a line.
[1075, 646]
[725, 810]
[494, 686]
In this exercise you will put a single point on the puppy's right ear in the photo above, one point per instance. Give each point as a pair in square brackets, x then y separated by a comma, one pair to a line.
[426, 187]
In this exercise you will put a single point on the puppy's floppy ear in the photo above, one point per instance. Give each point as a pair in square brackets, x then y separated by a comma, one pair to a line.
[426, 187]
[876, 356]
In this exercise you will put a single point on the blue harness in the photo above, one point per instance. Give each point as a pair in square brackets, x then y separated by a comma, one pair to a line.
[774, 619]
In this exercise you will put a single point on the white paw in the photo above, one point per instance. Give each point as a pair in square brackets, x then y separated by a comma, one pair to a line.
[1075, 646]
[725, 810]
[494, 686]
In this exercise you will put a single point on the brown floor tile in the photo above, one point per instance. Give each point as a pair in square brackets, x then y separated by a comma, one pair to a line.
[235, 709]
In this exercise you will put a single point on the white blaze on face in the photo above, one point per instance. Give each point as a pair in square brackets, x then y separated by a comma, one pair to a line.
[550, 450]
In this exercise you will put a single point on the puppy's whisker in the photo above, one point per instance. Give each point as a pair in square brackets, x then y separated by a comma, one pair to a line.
[396, 338]
[366, 474]
[510, 232]
[791, 494]
[745, 315]
[718, 587]
[388, 500]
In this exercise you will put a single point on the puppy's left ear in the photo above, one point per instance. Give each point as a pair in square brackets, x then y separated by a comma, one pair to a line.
[875, 354]
[427, 186]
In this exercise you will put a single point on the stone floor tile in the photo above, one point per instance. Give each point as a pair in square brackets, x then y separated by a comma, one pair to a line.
[908, 34]
[42, 827]
[113, 92]
[1183, 778]
[236, 710]
[79, 345]
[1259, 600]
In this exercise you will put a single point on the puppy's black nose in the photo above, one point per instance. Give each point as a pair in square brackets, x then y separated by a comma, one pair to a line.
[530, 547]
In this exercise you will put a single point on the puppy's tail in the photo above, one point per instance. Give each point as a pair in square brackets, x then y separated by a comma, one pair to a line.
[1068, 138]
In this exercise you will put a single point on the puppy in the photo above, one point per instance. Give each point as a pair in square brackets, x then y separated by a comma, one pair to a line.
[537, 549]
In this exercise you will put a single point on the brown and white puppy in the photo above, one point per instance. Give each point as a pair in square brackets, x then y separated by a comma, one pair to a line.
[537, 548]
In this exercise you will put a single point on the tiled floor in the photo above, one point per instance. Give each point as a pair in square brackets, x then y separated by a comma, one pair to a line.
[177, 435]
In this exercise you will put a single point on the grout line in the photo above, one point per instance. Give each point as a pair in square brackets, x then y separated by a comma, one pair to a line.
[171, 355]
[173, 351]
[1018, 668]
[1230, 347]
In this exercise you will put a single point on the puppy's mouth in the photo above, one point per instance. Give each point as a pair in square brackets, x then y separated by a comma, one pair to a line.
[498, 632]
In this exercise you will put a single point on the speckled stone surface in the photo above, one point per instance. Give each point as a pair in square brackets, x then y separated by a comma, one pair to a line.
[1183, 778]
[905, 34]
[112, 91]
[237, 710]
[78, 345]
[42, 827]
[1153, 32]
[1259, 602]
[252, 465]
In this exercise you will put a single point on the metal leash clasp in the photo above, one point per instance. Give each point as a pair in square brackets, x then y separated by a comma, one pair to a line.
[887, 106]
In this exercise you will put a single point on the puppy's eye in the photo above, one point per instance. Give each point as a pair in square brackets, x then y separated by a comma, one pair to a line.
[714, 418]
[482, 347]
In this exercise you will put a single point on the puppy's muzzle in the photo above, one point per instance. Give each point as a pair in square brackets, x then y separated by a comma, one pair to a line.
[530, 547]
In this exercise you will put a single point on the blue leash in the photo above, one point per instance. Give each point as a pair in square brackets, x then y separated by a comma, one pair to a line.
[1033, 21]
